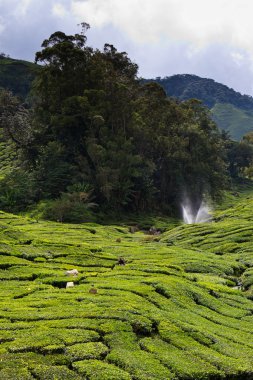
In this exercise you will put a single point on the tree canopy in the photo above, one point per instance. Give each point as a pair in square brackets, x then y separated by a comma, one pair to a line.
[94, 122]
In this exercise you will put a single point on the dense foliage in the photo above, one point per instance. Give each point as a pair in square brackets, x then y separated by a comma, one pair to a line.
[231, 110]
[94, 123]
[186, 86]
[17, 75]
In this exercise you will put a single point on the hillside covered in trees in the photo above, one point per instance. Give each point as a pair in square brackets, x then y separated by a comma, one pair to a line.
[17, 75]
[232, 111]
[94, 136]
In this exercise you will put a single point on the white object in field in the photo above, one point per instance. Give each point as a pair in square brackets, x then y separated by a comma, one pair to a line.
[70, 285]
[72, 272]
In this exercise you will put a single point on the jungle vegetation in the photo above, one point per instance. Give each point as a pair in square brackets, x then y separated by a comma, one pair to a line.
[93, 136]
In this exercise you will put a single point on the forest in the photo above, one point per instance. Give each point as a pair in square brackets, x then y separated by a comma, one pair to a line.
[94, 139]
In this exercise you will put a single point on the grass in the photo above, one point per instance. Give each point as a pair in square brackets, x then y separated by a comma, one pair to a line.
[178, 307]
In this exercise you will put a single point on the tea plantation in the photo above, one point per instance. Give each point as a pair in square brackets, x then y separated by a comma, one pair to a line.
[173, 306]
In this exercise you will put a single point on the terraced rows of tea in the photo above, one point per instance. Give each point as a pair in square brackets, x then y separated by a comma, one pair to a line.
[173, 306]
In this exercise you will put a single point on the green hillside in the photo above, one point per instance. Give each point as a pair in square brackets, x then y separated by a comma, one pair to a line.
[231, 110]
[172, 306]
[236, 121]
[17, 75]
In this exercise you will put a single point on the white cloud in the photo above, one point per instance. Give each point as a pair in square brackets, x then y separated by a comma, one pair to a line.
[2, 25]
[23, 7]
[208, 38]
[198, 22]
[238, 58]
[59, 10]
[15, 8]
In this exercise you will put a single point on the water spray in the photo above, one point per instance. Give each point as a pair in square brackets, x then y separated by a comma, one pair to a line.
[202, 215]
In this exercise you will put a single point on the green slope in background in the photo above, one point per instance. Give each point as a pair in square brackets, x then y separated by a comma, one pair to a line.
[17, 75]
[231, 110]
[236, 121]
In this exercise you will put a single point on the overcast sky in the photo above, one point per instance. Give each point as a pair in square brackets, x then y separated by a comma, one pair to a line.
[209, 38]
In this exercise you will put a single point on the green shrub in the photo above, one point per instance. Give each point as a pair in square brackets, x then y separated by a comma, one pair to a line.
[73, 206]
[97, 370]
[44, 372]
[68, 210]
[90, 350]
[185, 365]
[16, 374]
[141, 365]
[17, 191]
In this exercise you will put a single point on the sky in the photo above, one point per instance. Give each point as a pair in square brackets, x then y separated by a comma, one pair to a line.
[209, 38]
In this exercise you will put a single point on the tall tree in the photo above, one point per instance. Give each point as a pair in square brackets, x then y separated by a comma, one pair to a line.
[100, 125]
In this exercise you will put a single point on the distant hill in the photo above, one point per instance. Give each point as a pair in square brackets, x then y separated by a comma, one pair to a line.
[231, 110]
[17, 75]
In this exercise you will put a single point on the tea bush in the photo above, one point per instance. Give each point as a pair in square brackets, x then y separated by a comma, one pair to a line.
[178, 307]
